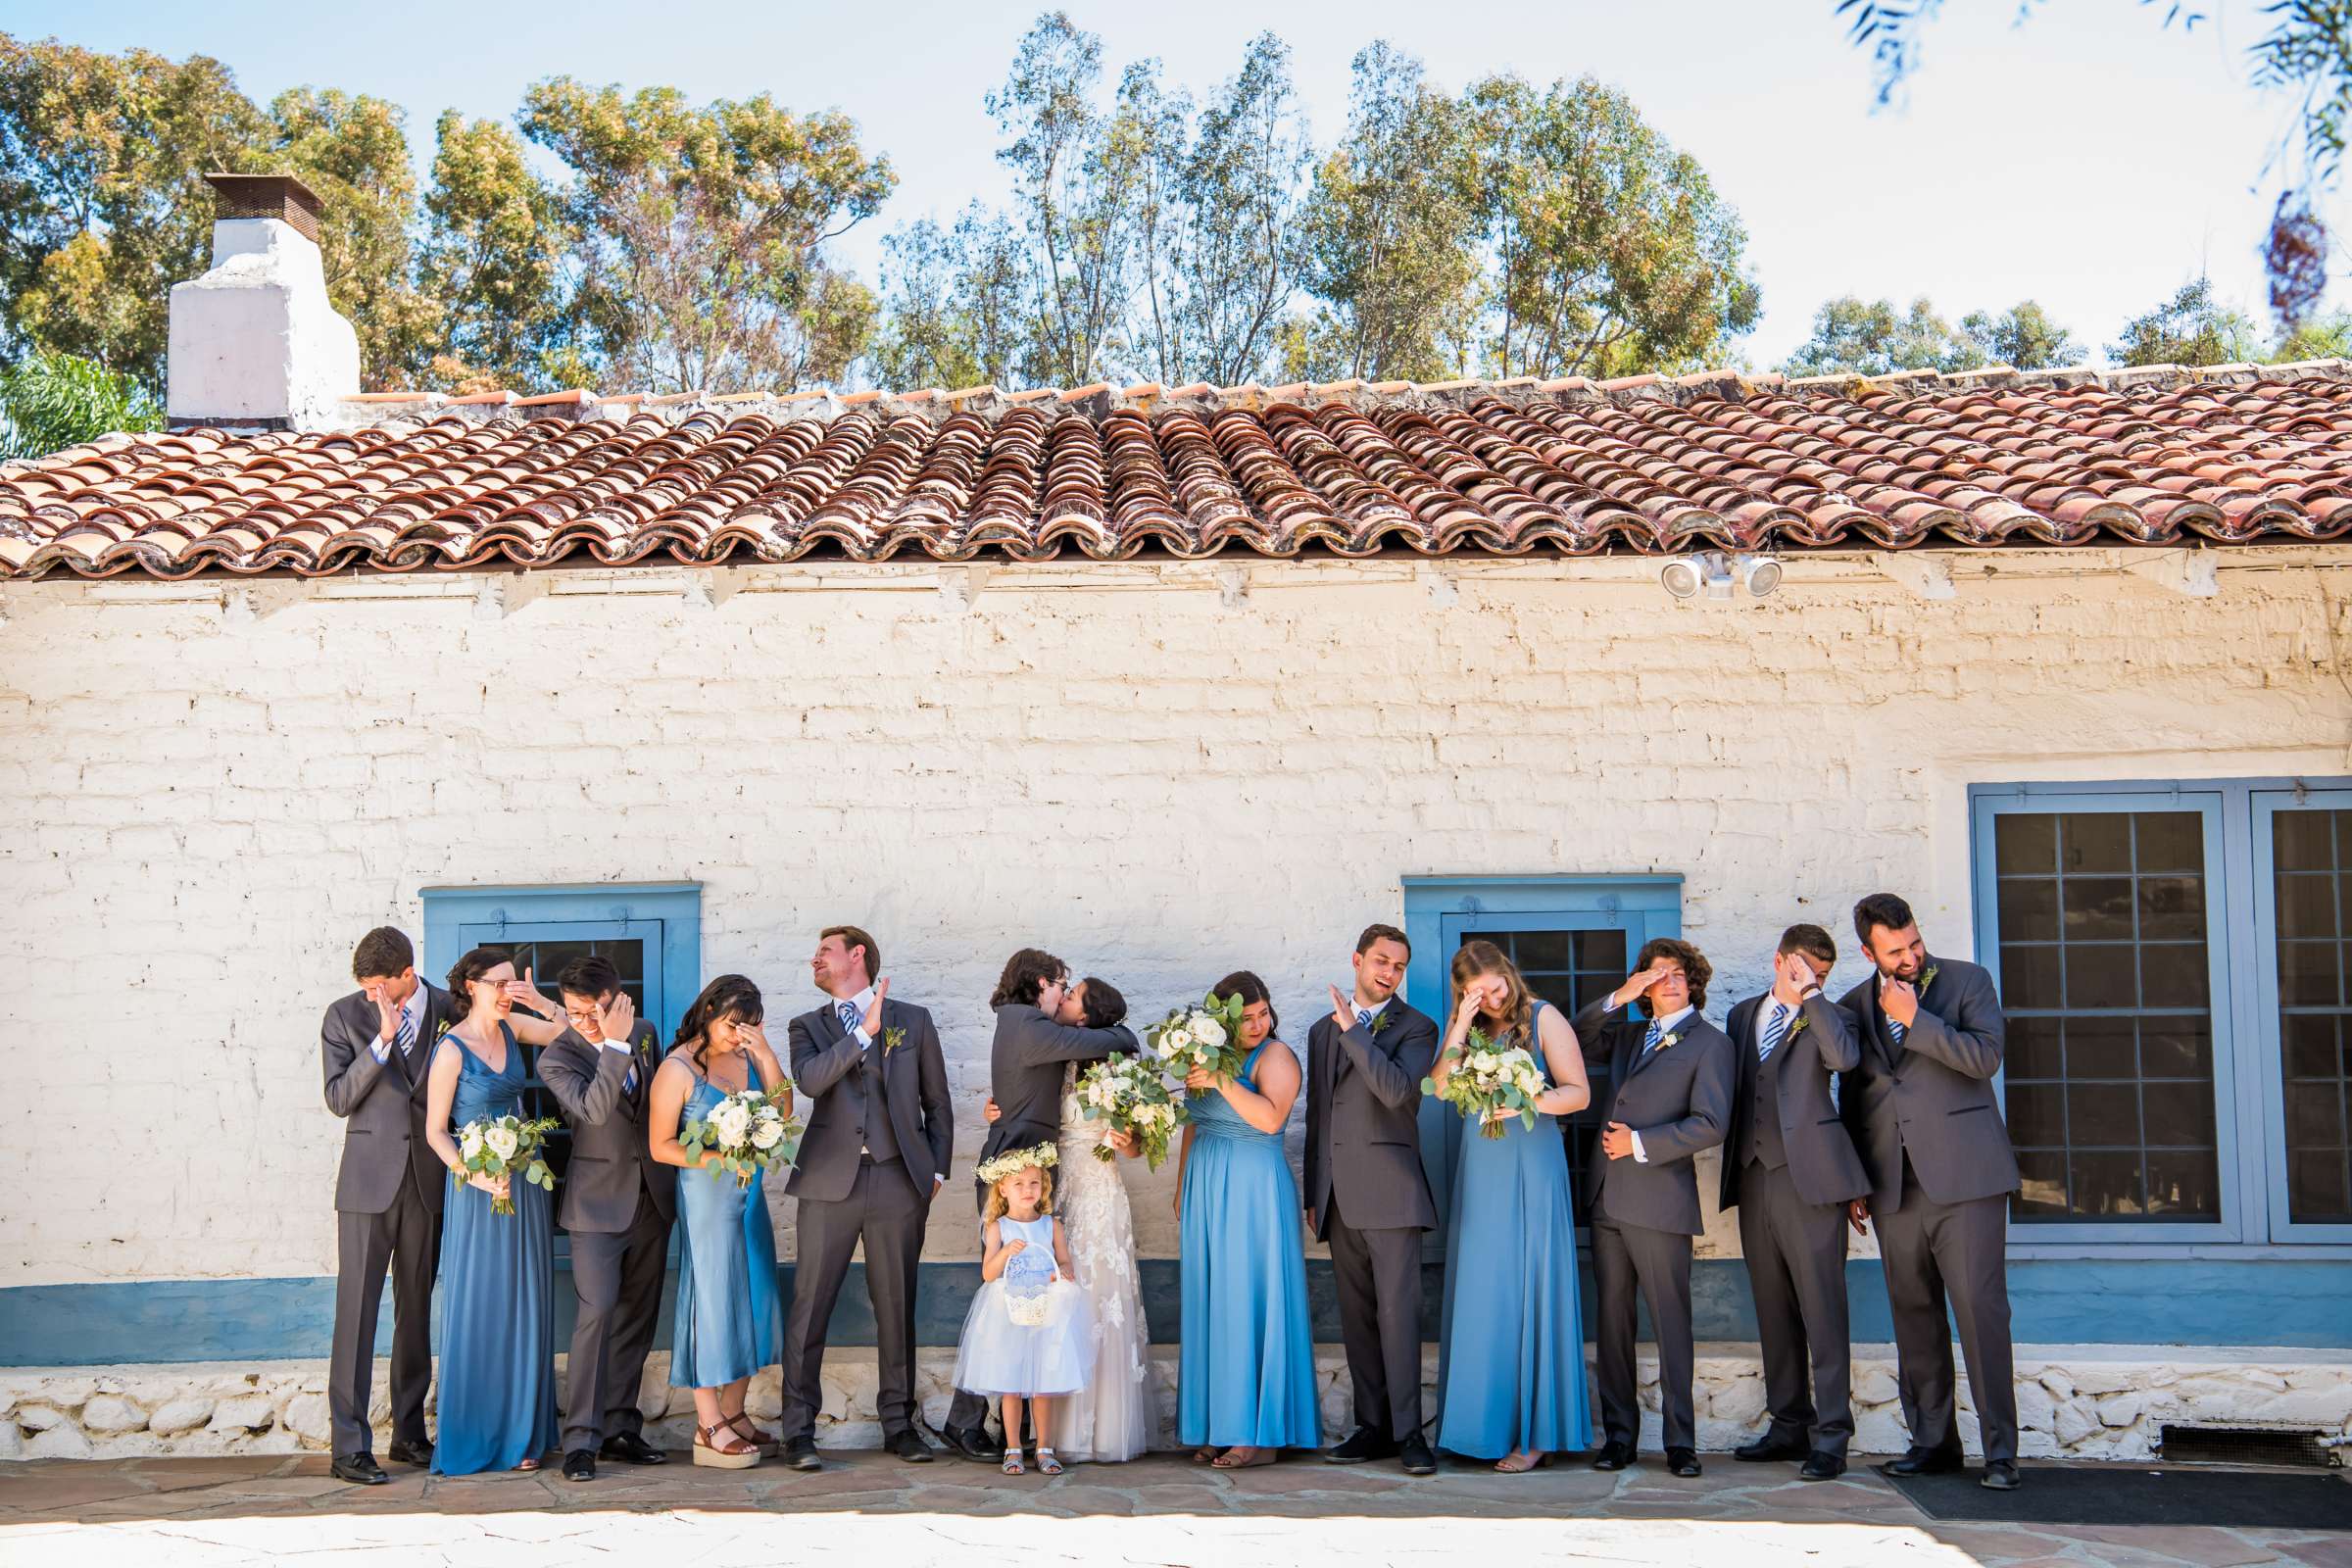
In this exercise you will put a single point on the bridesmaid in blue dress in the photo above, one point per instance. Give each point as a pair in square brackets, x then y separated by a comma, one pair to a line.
[497, 1326]
[1512, 1347]
[727, 1321]
[1248, 1367]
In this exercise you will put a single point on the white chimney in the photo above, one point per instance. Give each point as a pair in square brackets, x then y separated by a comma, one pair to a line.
[254, 342]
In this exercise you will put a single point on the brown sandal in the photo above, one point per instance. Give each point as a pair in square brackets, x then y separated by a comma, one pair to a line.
[707, 1453]
[1512, 1464]
[1207, 1453]
[1258, 1457]
[751, 1432]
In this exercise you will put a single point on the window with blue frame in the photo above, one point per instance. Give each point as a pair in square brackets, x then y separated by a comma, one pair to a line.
[1572, 936]
[2173, 957]
[651, 931]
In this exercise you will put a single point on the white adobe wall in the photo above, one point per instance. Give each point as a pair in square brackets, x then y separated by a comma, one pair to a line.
[203, 805]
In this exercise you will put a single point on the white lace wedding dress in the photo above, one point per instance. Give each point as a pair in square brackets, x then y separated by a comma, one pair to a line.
[1110, 1420]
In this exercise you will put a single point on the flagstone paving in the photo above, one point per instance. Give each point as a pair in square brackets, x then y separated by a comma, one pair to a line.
[872, 1511]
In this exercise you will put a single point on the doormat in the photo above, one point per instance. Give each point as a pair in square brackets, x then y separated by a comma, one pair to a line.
[2139, 1495]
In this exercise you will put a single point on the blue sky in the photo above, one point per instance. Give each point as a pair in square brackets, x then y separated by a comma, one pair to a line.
[2088, 157]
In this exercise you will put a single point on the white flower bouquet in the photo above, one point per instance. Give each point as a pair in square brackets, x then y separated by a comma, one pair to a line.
[1208, 1036]
[1130, 1095]
[1488, 1080]
[747, 1131]
[506, 1146]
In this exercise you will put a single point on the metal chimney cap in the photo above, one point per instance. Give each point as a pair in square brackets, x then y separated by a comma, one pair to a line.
[279, 196]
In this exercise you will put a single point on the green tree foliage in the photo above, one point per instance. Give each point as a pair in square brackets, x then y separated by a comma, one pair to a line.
[491, 262]
[50, 401]
[1855, 337]
[956, 304]
[2193, 327]
[699, 236]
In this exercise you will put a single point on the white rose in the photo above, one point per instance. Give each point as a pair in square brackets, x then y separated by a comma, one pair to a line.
[731, 1120]
[503, 1142]
[768, 1135]
[1484, 1061]
[470, 1142]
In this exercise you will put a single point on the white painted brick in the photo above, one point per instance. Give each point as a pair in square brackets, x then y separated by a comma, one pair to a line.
[196, 822]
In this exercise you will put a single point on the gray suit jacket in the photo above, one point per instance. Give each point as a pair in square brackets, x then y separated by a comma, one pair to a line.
[914, 1091]
[382, 1104]
[1679, 1100]
[612, 1151]
[1363, 1121]
[1025, 1071]
[1822, 1163]
[1931, 1097]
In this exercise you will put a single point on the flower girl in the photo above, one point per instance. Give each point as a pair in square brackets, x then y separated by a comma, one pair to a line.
[1029, 1335]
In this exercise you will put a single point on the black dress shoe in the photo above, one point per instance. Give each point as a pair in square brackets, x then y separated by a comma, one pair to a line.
[1682, 1461]
[1925, 1462]
[1413, 1454]
[2001, 1476]
[800, 1454]
[417, 1453]
[360, 1469]
[630, 1448]
[1365, 1444]
[974, 1444]
[1613, 1455]
[1767, 1448]
[909, 1447]
[1819, 1466]
[579, 1464]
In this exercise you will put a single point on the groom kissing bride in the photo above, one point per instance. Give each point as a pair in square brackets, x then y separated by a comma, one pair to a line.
[1048, 1031]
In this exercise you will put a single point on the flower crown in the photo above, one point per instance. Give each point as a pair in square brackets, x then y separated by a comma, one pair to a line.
[995, 1170]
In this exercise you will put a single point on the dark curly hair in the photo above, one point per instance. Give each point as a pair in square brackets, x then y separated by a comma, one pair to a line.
[1026, 973]
[472, 968]
[1695, 967]
[1104, 1005]
[729, 999]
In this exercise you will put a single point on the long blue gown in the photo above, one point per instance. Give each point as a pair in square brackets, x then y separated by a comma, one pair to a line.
[497, 1323]
[727, 1321]
[1248, 1367]
[1511, 1348]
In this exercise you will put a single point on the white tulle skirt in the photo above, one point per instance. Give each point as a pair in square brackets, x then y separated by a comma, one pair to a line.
[999, 1355]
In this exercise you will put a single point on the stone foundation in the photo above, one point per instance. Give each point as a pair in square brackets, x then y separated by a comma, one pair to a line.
[2078, 1402]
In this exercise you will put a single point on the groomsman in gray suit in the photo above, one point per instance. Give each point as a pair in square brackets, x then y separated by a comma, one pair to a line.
[1671, 1083]
[619, 1202]
[1923, 1113]
[880, 1135]
[1367, 1195]
[1026, 1062]
[375, 1046]
[1790, 1169]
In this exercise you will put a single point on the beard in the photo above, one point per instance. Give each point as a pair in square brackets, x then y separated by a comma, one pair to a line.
[1906, 969]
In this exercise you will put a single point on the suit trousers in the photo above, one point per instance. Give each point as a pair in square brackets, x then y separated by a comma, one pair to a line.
[1377, 1274]
[1631, 1258]
[617, 1277]
[1795, 1254]
[885, 1212]
[407, 1239]
[1928, 1251]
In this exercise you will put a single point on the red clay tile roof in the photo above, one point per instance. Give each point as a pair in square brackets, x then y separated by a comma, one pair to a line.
[2231, 455]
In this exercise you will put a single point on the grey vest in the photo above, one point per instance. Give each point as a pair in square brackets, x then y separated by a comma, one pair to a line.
[1760, 1139]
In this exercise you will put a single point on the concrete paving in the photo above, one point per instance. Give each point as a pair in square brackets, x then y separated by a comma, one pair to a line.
[874, 1512]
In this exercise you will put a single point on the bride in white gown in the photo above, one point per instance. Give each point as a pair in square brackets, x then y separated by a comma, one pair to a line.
[1110, 1420]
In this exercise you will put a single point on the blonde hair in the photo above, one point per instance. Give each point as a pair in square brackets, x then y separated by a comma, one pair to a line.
[996, 1208]
[1519, 1004]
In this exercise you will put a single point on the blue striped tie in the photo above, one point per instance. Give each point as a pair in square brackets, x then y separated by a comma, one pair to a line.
[1773, 1031]
[1895, 1029]
[407, 1032]
[1650, 1040]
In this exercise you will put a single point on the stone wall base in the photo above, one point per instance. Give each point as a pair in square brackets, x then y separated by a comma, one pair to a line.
[2078, 1402]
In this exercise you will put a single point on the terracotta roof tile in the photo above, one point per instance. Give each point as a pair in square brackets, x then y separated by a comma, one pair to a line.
[1647, 464]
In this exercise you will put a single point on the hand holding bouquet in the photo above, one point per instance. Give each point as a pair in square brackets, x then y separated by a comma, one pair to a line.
[497, 1147]
[1203, 1039]
[748, 1132]
[1491, 1085]
[1130, 1096]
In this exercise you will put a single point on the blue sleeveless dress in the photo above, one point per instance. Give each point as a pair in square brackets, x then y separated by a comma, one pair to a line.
[727, 1321]
[497, 1323]
[1512, 1347]
[1248, 1367]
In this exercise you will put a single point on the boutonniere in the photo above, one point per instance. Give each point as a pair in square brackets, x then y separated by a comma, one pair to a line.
[1380, 1021]
[1799, 1027]
[1927, 980]
[892, 1039]
[1667, 1040]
